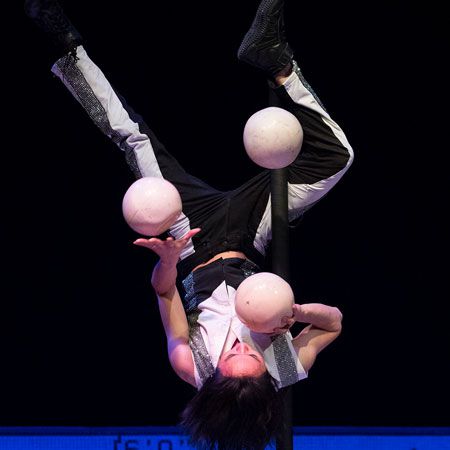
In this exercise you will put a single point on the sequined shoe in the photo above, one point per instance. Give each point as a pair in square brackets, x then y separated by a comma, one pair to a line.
[265, 45]
[49, 16]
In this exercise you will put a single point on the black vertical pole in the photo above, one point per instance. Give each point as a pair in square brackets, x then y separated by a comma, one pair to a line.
[280, 266]
[280, 224]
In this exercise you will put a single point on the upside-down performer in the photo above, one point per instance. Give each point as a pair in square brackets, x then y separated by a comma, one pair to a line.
[221, 238]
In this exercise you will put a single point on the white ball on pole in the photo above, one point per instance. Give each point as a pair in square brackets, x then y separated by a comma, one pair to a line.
[273, 137]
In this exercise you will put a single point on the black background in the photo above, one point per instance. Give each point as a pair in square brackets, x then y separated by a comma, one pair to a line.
[83, 343]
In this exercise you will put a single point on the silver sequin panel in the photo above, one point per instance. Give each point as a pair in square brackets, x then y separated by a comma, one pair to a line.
[74, 80]
[297, 70]
[202, 359]
[284, 360]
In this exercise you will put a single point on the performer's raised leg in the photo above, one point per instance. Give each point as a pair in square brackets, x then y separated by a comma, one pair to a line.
[144, 153]
[325, 154]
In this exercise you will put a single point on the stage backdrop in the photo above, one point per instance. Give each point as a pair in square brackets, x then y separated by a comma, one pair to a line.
[83, 344]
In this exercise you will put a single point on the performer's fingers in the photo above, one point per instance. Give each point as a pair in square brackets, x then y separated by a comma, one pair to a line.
[148, 243]
[288, 320]
[191, 233]
[142, 242]
[280, 330]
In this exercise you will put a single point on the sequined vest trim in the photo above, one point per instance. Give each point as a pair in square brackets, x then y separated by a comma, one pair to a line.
[198, 286]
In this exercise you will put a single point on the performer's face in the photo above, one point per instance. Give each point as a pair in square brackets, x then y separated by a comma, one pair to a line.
[241, 361]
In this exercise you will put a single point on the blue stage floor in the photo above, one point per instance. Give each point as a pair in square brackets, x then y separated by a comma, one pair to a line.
[152, 438]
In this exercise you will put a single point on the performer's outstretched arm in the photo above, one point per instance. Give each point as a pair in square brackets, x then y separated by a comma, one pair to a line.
[173, 315]
[176, 327]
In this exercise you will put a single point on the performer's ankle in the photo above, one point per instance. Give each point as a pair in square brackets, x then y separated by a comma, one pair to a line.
[283, 74]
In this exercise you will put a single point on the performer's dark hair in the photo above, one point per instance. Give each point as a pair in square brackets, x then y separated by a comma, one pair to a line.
[234, 413]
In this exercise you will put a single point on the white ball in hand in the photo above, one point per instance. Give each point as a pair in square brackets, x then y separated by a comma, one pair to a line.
[263, 300]
[151, 205]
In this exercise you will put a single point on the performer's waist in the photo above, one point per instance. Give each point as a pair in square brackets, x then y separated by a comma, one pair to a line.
[207, 251]
[222, 255]
[200, 284]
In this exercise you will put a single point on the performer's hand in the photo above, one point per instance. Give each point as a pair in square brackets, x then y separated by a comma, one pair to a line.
[170, 249]
[298, 314]
[288, 322]
[322, 316]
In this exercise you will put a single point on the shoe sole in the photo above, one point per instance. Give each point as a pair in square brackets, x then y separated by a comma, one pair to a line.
[258, 28]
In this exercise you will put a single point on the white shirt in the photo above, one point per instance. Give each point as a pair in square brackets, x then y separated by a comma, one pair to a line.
[218, 320]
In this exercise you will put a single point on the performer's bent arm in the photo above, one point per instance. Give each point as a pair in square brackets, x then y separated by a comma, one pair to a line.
[325, 326]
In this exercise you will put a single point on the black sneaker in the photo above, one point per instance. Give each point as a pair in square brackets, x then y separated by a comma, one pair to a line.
[265, 45]
[49, 17]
